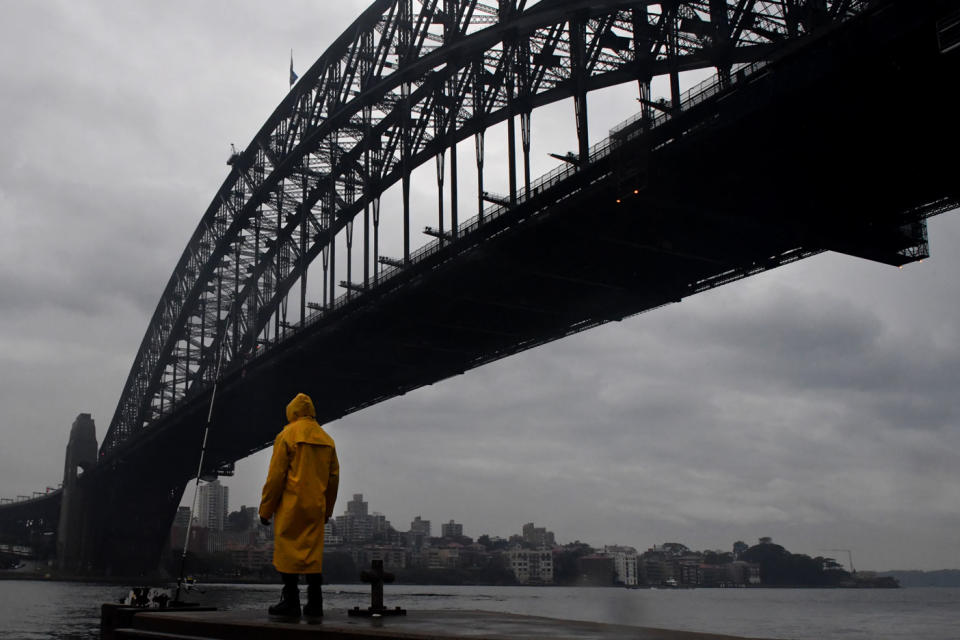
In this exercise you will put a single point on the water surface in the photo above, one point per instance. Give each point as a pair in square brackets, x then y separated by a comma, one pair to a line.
[35, 610]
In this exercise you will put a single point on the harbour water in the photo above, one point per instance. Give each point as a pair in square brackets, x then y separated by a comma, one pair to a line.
[39, 610]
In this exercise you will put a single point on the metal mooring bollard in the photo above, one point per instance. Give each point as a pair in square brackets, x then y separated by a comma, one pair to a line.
[376, 577]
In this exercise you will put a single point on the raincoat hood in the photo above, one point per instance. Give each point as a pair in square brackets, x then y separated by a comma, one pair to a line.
[300, 407]
[303, 427]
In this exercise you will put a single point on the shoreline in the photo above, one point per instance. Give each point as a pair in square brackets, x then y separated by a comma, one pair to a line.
[221, 580]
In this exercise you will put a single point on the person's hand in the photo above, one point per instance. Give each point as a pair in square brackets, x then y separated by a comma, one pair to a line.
[264, 521]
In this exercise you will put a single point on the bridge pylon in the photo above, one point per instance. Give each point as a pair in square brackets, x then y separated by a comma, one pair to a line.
[75, 534]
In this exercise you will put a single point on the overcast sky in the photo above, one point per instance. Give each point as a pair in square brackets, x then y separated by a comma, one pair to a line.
[815, 403]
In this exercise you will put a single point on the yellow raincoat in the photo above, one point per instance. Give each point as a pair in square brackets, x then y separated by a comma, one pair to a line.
[301, 489]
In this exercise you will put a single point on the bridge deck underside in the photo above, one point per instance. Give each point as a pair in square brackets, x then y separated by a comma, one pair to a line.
[834, 148]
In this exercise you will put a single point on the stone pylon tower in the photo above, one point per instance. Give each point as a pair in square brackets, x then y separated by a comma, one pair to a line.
[76, 518]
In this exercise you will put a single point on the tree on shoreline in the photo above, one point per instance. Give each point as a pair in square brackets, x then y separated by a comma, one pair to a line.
[779, 567]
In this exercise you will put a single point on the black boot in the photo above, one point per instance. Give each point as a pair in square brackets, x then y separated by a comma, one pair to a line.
[289, 605]
[314, 608]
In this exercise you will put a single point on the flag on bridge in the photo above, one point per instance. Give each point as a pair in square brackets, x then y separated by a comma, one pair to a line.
[293, 76]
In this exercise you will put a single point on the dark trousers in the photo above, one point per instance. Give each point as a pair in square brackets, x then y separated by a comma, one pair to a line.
[314, 580]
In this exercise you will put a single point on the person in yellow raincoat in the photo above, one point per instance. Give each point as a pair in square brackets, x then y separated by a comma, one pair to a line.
[300, 492]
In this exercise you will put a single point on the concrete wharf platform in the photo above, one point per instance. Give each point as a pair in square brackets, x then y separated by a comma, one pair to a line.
[154, 624]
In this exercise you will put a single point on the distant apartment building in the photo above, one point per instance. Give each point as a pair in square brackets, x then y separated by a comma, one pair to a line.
[451, 530]
[420, 526]
[728, 574]
[356, 530]
[182, 519]
[381, 529]
[538, 536]
[393, 556]
[419, 535]
[253, 516]
[213, 505]
[445, 557]
[354, 526]
[474, 555]
[688, 571]
[656, 565]
[216, 541]
[221, 541]
[531, 566]
[357, 507]
[669, 563]
[624, 564]
[654, 570]
[357, 526]
[714, 575]
[331, 538]
[252, 558]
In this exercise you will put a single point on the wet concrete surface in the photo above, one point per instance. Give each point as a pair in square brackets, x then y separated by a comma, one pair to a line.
[416, 625]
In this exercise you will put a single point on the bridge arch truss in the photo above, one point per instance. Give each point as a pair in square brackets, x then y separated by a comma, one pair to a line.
[406, 82]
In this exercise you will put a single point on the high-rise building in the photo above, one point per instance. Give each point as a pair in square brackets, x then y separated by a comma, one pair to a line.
[419, 534]
[380, 526]
[451, 530]
[357, 525]
[182, 519]
[357, 507]
[253, 517]
[624, 563]
[531, 566]
[331, 537]
[538, 536]
[213, 505]
[420, 526]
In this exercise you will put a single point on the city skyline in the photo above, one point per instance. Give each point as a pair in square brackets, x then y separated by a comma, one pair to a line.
[536, 536]
[814, 403]
[532, 556]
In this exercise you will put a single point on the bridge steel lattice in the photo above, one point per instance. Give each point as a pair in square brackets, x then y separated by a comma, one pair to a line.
[402, 85]
[796, 146]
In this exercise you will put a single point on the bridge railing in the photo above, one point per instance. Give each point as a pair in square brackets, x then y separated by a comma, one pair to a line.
[37, 495]
[701, 92]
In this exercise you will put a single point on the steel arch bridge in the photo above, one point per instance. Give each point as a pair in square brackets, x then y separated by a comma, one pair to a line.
[740, 174]
[400, 87]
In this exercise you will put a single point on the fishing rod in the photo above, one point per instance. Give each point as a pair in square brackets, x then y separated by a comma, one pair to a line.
[203, 452]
